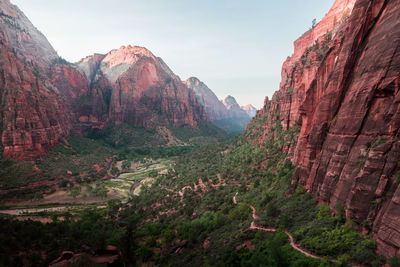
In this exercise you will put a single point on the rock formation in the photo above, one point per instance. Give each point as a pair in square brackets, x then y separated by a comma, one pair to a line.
[233, 107]
[341, 87]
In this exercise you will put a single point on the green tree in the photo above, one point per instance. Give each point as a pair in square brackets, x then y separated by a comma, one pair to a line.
[324, 212]
[394, 262]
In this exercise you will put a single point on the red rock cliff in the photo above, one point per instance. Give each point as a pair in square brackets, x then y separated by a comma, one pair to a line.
[343, 92]
[32, 112]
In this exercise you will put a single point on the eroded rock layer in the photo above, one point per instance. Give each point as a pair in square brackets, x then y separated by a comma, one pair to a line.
[341, 86]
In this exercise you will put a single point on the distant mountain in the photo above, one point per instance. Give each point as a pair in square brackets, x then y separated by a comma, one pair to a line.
[225, 114]
[139, 89]
[214, 108]
[250, 109]
[234, 108]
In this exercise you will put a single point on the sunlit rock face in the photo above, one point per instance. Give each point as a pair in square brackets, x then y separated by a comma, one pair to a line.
[343, 92]
[139, 89]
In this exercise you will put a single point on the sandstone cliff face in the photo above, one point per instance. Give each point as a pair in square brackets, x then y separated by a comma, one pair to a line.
[146, 93]
[343, 92]
[32, 112]
[23, 37]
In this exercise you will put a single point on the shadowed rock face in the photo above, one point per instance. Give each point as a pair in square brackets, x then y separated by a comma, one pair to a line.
[33, 115]
[344, 95]
[230, 117]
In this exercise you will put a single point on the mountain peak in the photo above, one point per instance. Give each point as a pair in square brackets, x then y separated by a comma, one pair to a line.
[230, 101]
[249, 107]
[250, 110]
[127, 55]
[193, 81]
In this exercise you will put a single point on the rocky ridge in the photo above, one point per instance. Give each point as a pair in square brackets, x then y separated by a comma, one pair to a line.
[214, 108]
[233, 107]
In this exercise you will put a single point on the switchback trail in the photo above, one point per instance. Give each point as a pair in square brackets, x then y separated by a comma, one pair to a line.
[254, 226]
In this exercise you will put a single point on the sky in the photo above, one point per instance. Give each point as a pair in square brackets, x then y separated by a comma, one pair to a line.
[236, 47]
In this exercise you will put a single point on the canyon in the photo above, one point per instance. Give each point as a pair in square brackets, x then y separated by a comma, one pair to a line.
[339, 93]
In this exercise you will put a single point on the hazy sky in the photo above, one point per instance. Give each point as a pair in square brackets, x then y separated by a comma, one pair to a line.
[236, 47]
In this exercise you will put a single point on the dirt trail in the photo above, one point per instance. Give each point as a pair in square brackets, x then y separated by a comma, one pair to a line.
[203, 187]
[254, 226]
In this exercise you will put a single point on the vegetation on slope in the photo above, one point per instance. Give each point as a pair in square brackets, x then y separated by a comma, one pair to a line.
[189, 216]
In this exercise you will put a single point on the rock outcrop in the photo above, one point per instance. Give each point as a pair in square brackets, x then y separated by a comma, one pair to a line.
[341, 87]
[146, 92]
[233, 108]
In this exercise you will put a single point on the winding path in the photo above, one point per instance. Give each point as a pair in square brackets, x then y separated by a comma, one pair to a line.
[254, 226]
